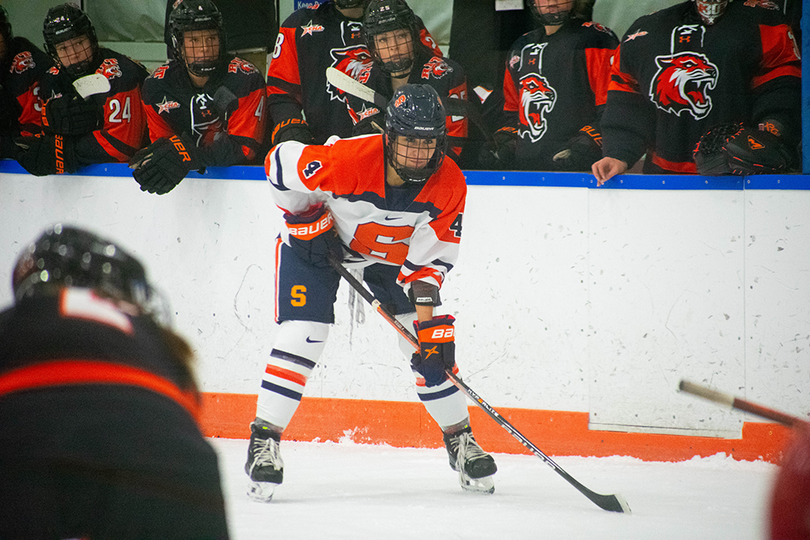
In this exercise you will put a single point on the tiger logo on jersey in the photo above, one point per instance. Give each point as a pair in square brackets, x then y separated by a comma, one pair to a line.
[682, 84]
[22, 62]
[355, 62]
[537, 98]
[205, 121]
[110, 68]
[436, 67]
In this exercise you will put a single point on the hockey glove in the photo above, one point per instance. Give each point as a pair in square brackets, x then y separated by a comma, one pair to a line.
[159, 167]
[740, 150]
[499, 154]
[437, 349]
[293, 129]
[70, 115]
[313, 236]
[46, 153]
[581, 152]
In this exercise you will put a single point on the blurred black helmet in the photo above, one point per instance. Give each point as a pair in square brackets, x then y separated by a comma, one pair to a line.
[383, 16]
[415, 113]
[70, 257]
[65, 22]
[189, 15]
[5, 24]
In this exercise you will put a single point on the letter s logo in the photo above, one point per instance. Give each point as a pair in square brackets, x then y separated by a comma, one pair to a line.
[299, 296]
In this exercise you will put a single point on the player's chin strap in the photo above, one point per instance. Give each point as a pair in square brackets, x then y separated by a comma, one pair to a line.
[612, 503]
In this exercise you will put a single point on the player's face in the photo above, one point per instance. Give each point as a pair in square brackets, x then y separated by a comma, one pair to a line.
[74, 51]
[201, 45]
[412, 152]
[394, 46]
[553, 6]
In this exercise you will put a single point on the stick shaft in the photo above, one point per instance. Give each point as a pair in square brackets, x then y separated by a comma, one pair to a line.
[606, 502]
[738, 403]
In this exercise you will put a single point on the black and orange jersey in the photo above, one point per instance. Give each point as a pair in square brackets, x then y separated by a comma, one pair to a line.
[20, 78]
[309, 41]
[233, 137]
[417, 228]
[554, 86]
[94, 401]
[674, 78]
[444, 75]
[123, 128]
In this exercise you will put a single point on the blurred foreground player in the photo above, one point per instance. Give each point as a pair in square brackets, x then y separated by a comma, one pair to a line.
[98, 404]
[790, 503]
[392, 205]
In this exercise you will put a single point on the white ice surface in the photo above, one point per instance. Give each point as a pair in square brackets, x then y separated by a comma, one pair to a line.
[352, 491]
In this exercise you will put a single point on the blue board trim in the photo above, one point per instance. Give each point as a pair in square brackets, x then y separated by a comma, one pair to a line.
[508, 178]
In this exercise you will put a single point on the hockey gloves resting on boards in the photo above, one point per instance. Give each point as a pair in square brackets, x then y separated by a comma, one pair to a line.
[437, 349]
[71, 115]
[159, 167]
[581, 152]
[499, 154]
[313, 236]
[740, 150]
[46, 153]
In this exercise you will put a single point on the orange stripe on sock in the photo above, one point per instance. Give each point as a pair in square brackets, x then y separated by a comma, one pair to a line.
[286, 374]
[556, 433]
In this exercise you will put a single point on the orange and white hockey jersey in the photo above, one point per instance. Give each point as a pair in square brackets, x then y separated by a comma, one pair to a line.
[417, 228]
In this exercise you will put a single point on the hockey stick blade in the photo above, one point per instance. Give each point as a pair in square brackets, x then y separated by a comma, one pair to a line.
[344, 82]
[341, 81]
[737, 403]
[611, 503]
[89, 85]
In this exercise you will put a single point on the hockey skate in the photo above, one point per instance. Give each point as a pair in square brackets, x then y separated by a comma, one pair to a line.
[475, 467]
[264, 464]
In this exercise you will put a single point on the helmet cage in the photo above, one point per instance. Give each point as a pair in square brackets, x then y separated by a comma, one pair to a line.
[555, 18]
[190, 15]
[710, 10]
[415, 114]
[66, 22]
[69, 257]
[388, 16]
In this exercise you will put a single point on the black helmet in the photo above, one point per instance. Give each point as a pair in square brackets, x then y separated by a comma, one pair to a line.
[188, 15]
[70, 257]
[5, 24]
[383, 16]
[710, 10]
[415, 112]
[65, 22]
[5, 33]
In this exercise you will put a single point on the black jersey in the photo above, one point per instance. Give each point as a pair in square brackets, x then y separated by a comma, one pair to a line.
[554, 86]
[122, 129]
[19, 88]
[308, 42]
[231, 137]
[674, 78]
[99, 436]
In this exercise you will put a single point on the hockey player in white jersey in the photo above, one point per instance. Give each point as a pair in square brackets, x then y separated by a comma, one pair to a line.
[390, 204]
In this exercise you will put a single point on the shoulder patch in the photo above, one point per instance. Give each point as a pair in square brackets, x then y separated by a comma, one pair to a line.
[22, 62]
[767, 4]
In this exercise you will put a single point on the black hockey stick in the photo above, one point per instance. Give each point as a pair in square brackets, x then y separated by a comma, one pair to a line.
[737, 403]
[612, 503]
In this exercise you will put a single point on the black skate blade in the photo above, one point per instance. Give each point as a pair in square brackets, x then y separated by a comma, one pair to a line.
[261, 491]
